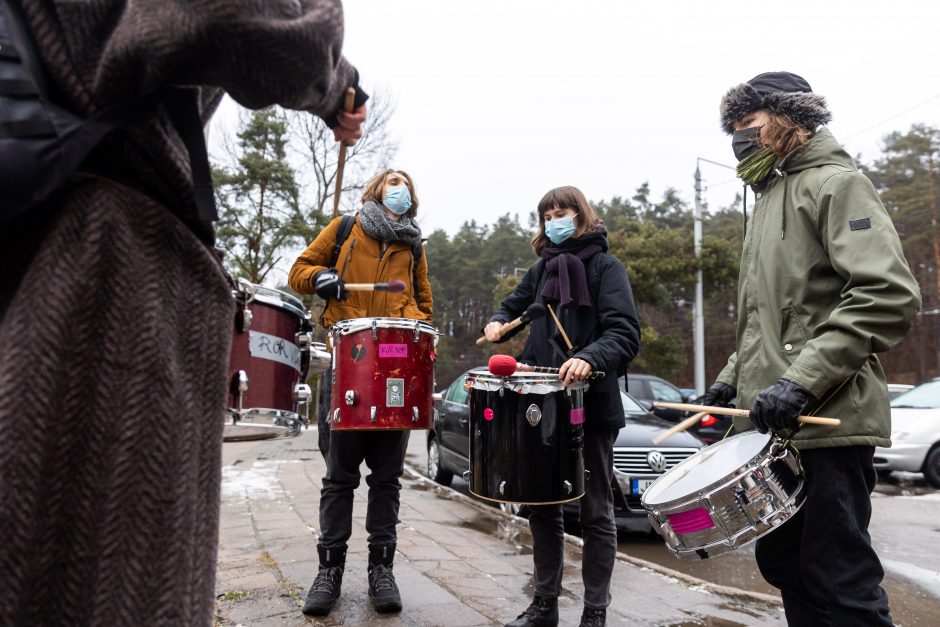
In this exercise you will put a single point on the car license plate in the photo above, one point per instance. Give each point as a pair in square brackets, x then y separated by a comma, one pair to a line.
[638, 486]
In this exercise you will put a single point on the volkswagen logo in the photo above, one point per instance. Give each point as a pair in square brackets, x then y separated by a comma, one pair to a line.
[657, 461]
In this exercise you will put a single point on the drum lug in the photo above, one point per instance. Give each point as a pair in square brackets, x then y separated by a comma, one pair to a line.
[417, 331]
[335, 416]
[243, 320]
[242, 382]
[465, 475]
[502, 488]
[375, 329]
[414, 414]
[302, 395]
[372, 413]
[568, 487]
[350, 397]
[533, 414]
[303, 339]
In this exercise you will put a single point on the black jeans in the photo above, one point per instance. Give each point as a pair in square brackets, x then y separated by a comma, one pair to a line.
[822, 559]
[384, 454]
[597, 524]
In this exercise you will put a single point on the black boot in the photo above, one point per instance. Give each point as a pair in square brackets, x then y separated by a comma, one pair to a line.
[594, 617]
[382, 587]
[542, 613]
[326, 587]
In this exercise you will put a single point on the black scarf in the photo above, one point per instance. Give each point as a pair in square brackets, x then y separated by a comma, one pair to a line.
[566, 279]
[377, 225]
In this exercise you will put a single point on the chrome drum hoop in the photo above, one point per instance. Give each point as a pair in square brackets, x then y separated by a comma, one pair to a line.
[248, 292]
[732, 511]
[523, 383]
[286, 423]
[354, 325]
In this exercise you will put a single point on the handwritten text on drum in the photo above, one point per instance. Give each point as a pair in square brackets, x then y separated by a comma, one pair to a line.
[275, 348]
[393, 350]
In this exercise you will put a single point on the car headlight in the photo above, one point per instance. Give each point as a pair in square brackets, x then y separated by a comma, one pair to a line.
[899, 435]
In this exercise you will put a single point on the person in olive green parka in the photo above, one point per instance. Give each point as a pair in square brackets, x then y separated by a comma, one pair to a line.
[823, 287]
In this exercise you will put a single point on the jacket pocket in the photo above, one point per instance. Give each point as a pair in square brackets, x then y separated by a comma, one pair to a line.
[793, 334]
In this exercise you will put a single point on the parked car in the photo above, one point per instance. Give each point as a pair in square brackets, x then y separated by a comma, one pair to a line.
[637, 461]
[896, 389]
[648, 389]
[915, 434]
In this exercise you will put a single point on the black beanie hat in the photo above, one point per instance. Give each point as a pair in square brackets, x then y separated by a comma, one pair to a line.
[780, 92]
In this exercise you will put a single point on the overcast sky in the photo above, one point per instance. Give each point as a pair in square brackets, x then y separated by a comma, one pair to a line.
[497, 101]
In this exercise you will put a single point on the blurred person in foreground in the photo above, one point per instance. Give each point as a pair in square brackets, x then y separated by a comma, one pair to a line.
[116, 313]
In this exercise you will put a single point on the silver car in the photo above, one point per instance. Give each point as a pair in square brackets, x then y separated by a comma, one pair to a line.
[915, 434]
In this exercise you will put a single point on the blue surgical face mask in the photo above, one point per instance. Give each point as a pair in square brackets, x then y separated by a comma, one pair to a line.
[398, 199]
[560, 229]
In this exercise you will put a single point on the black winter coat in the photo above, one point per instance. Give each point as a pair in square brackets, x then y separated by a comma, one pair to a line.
[607, 335]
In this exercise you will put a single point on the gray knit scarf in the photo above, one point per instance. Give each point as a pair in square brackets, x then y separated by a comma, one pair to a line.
[377, 225]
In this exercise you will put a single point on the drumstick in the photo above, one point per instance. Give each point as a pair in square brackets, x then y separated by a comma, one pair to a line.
[392, 286]
[682, 426]
[348, 104]
[731, 411]
[506, 365]
[561, 329]
[532, 312]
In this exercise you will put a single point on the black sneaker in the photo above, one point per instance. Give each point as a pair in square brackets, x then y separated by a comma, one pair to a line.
[593, 617]
[383, 590]
[543, 612]
[324, 592]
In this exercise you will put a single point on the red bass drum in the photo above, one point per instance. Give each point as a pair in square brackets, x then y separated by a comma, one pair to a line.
[383, 374]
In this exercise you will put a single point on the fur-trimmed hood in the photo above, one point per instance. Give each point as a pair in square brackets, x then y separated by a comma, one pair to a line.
[781, 93]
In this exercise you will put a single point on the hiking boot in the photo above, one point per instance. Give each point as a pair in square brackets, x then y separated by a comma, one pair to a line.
[543, 612]
[382, 587]
[326, 587]
[594, 617]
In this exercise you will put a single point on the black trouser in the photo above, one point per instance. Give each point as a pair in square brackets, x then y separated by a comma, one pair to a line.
[822, 559]
[384, 454]
[597, 524]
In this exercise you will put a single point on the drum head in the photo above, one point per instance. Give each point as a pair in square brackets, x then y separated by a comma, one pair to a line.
[354, 325]
[709, 465]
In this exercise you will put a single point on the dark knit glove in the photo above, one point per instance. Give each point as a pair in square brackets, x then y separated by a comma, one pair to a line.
[778, 407]
[328, 285]
[718, 395]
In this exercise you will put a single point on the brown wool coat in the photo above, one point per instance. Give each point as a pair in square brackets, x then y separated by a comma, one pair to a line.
[366, 264]
[115, 317]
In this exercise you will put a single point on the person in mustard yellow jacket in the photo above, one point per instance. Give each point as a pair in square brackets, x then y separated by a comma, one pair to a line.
[384, 244]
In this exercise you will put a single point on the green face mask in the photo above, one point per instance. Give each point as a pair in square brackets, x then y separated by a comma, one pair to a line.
[756, 166]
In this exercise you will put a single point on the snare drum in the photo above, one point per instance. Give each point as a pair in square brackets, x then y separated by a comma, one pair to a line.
[726, 495]
[526, 438]
[271, 352]
[383, 374]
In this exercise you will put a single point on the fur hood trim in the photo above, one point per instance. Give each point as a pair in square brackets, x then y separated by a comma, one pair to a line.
[804, 108]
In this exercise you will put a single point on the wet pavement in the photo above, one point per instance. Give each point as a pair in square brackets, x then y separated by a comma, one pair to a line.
[459, 561]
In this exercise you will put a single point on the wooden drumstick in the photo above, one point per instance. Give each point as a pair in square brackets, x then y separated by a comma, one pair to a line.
[348, 104]
[682, 426]
[731, 411]
[392, 286]
[561, 329]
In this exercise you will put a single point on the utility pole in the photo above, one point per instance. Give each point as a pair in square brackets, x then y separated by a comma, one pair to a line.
[698, 311]
[698, 316]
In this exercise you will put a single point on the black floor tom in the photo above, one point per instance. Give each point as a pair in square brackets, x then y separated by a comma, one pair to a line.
[526, 438]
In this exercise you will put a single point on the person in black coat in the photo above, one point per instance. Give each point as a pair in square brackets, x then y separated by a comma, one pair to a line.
[590, 292]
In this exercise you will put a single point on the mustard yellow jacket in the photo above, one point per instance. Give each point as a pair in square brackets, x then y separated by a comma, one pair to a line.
[362, 260]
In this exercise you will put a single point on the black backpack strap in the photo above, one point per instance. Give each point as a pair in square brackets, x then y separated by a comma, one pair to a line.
[342, 234]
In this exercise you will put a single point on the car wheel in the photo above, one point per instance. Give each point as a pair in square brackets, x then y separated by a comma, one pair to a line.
[932, 467]
[435, 470]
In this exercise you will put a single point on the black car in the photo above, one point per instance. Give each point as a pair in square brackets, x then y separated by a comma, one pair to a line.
[637, 462]
[648, 389]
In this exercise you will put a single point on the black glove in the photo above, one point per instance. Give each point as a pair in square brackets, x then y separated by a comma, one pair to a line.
[778, 407]
[718, 395]
[328, 285]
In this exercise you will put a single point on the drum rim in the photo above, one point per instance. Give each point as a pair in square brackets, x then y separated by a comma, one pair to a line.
[709, 488]
[355, 325]
[271, 296]
[521, 379]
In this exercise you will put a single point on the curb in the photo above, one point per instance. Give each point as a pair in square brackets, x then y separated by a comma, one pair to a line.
[495, 514]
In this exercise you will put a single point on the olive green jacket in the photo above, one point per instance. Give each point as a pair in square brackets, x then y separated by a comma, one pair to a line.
[823, 287]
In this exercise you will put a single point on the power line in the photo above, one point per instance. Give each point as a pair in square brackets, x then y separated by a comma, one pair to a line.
[894, 117]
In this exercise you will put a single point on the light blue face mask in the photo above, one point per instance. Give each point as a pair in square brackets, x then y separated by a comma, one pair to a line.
[398, 199]
[560, 229]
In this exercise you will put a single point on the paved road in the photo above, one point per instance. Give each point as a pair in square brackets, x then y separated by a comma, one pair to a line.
[905, 530]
